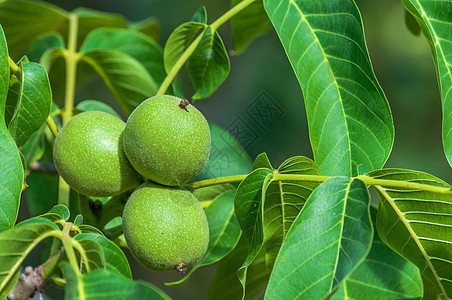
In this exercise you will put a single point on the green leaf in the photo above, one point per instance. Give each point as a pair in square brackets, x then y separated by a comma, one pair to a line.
[349, 118]
[149, 26]
[96, 105]
[115, 260]
[178, 42]
[248, 205]
[382, 275]
[283, 202]
[248, 24]
[59, 212]
[24, 20]
[127, 79]
[200, 16]
[330, 237]
[137, 45]
[226, 285]
[11, 283]
[78, 220]
[435, 21]
[11, 170]
[224, 232]
[416, 224]
[34, 147]
[209, 193]
[102, 284]
[34, 103]
[91, 252]
[43, 43]
[209, 65]
[262, 161]
[227, 157]
[17, 243]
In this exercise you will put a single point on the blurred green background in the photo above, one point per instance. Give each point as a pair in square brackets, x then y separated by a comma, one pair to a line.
[402, 62]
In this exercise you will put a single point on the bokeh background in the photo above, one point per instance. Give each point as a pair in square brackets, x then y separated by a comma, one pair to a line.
[402, 62]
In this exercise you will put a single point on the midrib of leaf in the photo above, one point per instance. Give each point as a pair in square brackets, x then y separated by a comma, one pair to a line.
[413, 236]
[339, 244]
[283, 217]
[54, 233]
[325, 57]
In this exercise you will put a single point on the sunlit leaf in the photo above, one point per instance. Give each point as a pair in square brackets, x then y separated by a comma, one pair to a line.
[330, 237]
[349, 118]
[382, 275]
[178, 42]
[283, 202]
[57, 213]
[417, 224]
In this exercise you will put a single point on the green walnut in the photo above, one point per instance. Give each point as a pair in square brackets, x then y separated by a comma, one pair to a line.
[167, 140]
[165, 227]
[89, 155]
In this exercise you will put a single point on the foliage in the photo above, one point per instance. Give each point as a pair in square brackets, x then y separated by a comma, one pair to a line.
[306, 229]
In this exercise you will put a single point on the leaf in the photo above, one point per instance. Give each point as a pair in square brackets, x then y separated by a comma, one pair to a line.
[149, 26]
[209, 65]
[135, 44]
[58, 213]
[34, 147]
[178, 42]
[226, 285]
[33, 104]
[11, 170]
[78, 220]
[248, 24]
[101, 284]
[127, 79]
[227, 157]
[200, 16]
[42, 44]
[283, 202]
[115, 260]
[224, 232]
[412, 24]
[23, 21]
[262, 161]
[382, 275]
[209, 193]
[91, 252]
[17, 243]
[434, 19]
[349, 118]
[416, 224]
[248, 205]
[95, 105]
[330, 237]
